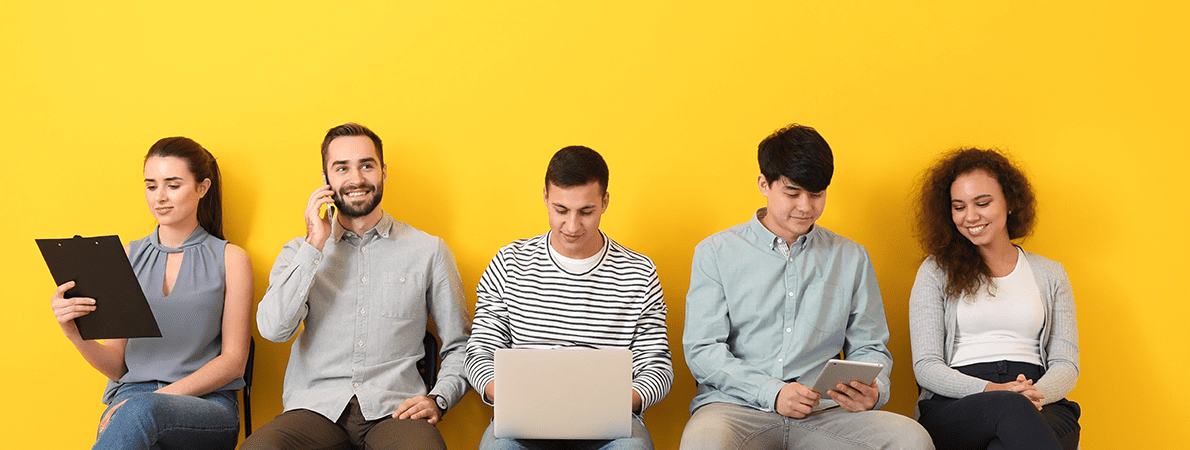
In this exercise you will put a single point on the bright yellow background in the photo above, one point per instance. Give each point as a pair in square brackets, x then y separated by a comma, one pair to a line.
[473, 98]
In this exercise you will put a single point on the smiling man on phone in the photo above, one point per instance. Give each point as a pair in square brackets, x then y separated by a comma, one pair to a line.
[364, 286]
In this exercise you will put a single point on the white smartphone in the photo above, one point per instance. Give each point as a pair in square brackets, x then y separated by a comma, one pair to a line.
[841, 371]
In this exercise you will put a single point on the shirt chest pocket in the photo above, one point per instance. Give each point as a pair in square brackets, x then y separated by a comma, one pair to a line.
[403, 295]
[830, 307]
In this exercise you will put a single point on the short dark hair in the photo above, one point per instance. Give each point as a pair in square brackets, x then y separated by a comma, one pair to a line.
[351, 129]
[798, 153]
[575, 166]
[954, 253]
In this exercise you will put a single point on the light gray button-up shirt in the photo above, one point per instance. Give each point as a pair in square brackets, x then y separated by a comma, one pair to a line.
[760, 315]
[364, 301]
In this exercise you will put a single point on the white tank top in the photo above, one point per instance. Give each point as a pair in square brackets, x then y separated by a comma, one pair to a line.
[1002, 321]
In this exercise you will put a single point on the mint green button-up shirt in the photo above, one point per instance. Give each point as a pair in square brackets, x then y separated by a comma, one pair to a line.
[761, 313]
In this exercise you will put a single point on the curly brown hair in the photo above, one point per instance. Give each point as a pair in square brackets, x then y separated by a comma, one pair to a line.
[955, 254]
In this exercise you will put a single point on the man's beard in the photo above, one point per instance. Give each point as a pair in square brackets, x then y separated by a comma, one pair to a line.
[350, 210]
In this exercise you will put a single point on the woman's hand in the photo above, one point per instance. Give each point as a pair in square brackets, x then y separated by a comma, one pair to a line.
[68, 309]
[107, 417]
[1023, 386]
[107, 356]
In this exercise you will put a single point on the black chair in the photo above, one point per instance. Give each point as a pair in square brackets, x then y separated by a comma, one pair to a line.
[246, 392]
[428, 364]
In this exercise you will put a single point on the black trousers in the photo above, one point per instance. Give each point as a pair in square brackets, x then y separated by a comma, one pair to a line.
[1000, 419]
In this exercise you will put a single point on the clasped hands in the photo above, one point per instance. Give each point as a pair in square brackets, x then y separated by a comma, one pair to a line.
[1023, 386]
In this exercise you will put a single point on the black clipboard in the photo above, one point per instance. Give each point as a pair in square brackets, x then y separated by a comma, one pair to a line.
[101, 270]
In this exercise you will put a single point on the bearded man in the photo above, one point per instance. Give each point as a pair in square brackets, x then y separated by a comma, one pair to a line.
[364, 286]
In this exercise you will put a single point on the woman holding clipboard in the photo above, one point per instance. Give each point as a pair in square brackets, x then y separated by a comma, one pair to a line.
[179, 390]
[993, 329]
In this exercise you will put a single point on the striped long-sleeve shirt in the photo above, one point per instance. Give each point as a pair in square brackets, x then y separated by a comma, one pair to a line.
[525, 300]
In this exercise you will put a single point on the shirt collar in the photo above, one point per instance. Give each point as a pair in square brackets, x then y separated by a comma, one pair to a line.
[196, 237]
[773, 241]
[383, 228]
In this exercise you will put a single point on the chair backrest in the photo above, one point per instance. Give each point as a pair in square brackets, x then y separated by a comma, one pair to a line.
[246, 392]
[428, 364]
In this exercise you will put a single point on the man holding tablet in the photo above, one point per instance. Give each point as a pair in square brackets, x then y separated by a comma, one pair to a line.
[770, 302]
[573, 287]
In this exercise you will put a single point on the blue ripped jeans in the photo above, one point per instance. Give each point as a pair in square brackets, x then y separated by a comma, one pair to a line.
[149, 420]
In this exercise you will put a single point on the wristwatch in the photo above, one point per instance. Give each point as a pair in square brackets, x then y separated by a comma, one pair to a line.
[441, 402]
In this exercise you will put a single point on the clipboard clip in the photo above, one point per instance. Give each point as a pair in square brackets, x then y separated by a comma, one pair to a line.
[81, 238]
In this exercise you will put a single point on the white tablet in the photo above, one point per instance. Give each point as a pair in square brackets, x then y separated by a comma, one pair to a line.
[840, 371]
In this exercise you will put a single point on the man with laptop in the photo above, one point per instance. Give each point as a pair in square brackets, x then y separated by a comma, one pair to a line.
[771, 301]
[575, 296]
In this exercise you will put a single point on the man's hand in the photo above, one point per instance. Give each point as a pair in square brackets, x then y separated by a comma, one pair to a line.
[796, 400]
[489, 391]
[856, 396]
[318, 228]
[420, 407]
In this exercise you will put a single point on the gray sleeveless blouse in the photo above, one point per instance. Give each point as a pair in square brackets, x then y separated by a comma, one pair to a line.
[190, 317]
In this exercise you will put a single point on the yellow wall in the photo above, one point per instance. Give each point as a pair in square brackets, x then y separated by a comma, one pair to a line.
[472, 99]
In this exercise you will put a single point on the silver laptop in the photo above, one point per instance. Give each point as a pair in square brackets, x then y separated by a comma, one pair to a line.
[564, 393]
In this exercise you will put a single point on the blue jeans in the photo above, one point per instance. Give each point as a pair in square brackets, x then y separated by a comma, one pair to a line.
[725, 426]
[148, 420]
[639, 440]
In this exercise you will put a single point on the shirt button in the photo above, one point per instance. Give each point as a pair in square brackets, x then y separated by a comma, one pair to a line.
[356, 385]
[402, 279]
[787, 330]
[791, 294]
[361, 311]
[361, 343]
[781, 360]
[365, 280]
[363, 249]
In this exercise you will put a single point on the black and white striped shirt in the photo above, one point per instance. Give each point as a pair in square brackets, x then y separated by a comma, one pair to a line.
[525, 300]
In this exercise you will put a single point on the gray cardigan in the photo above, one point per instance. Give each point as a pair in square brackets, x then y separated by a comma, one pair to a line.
[933, 319]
